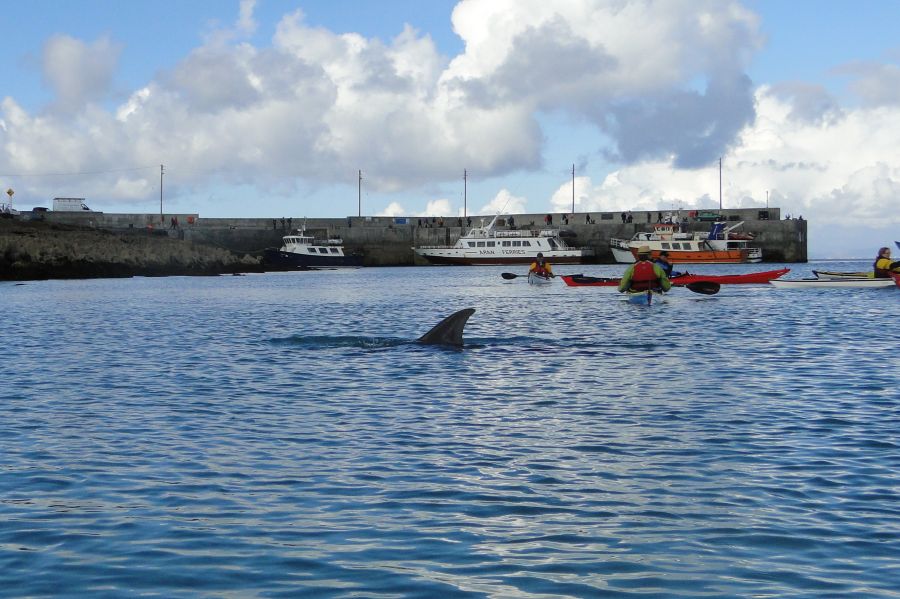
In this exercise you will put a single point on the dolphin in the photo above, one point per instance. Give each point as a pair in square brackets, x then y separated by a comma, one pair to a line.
[448, 331]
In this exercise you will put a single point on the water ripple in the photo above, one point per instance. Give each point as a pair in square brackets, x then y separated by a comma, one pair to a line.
[282, 435]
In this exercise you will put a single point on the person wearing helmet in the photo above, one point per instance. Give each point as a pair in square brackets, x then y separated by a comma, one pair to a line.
[541, 267]
[644, 275]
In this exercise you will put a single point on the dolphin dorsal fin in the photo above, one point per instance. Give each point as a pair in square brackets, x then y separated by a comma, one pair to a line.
[448, 331]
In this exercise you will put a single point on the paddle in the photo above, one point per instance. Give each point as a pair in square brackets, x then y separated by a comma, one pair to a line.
[509, 275]
[704, 287]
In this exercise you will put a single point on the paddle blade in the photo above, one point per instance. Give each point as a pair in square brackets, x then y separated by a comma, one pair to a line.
[508, 275]
[704, 287]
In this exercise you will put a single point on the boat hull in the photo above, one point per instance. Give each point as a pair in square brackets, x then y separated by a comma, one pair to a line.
[294, 260]
[833, 283]
[753, 278]
[691, 257]
[896, 277]
[474, 259]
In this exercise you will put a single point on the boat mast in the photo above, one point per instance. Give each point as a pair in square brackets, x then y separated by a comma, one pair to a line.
[464, 192]
[359, 193]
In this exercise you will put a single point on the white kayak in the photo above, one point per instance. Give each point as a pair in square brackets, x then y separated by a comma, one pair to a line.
[832, 283]
[825, 274]
[536, 279]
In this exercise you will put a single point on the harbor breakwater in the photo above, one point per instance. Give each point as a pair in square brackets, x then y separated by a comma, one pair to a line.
[41, 250]
[120, 244]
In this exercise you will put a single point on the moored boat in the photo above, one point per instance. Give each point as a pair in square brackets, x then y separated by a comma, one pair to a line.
[721, 245]
[485, 244]
[833, 283]
[752, 278]
[300, 250]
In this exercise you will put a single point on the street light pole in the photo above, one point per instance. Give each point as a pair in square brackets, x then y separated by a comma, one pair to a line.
[573, 191]
[160, 194]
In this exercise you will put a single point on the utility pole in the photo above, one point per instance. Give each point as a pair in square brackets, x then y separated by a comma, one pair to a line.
[465, 176]
[573, 190]
[359, 193]
[720, 184]
[161, 169]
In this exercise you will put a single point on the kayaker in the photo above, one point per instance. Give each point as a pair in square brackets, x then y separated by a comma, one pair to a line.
[663, 262]
[883, 265]
[541, 267]
[644, 275]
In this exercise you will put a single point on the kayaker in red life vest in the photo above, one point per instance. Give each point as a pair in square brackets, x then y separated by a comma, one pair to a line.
[883, 265]
[541, 267]
[644, 275]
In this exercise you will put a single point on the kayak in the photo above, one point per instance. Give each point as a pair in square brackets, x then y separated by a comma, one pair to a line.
[833, 283]
[645, 298]
[536, 279]
[896, 277]
[824, 274]
[750, 278]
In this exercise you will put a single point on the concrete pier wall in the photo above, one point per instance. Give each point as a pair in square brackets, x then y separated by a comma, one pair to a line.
[388, 241]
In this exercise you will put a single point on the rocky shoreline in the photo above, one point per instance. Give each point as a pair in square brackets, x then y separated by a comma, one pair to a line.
[34, 250]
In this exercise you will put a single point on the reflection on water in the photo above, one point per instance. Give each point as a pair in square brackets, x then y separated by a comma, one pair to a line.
[280, 434]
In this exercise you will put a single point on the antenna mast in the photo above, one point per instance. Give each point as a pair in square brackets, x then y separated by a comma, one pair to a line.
[359, 194]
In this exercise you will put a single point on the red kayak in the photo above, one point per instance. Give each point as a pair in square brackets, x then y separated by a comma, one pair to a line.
[750, 278]
[896, 278]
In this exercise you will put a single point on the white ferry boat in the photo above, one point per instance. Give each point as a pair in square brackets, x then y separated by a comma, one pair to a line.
[487, 245]
[300, 250]
[721, 245]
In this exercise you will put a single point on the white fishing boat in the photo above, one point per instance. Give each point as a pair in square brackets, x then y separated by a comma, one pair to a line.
[300, 250]
[859, 283]
[485, 244]
[720, 245]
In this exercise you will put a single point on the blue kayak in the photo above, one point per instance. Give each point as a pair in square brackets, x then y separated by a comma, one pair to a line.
[645, 298]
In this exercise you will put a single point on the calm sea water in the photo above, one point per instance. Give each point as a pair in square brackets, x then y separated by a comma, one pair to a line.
[278, 435]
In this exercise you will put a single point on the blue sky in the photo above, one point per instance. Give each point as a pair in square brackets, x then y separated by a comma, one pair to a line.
[270, 107]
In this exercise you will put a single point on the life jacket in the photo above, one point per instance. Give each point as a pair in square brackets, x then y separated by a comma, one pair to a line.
[540, 269]
[882, 268]
[644, 277]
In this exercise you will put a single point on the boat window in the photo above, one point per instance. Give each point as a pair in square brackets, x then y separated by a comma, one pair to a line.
[481, 244]
[517, 244]
[507, 244]
[525, 243]
[666, 245]
[471, 244]
[334, 250]
[323, 250]
[311, 250]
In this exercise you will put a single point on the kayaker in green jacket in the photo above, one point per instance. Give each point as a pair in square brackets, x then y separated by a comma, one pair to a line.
[644, 275]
